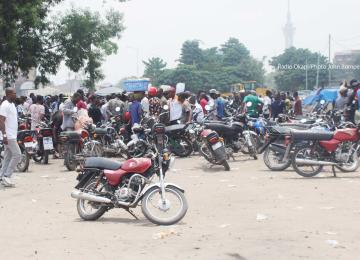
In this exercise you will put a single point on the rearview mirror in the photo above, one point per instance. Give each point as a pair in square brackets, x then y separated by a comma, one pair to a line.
[322, 102]
[207, 108]
[117, 109]
[249, 104]
[166, 107]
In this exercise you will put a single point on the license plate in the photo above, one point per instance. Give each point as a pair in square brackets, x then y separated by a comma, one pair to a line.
[48, 143]
[28, 144]
[217, 146]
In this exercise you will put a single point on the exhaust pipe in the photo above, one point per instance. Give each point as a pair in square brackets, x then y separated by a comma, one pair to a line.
[76, 194]
[313, 162]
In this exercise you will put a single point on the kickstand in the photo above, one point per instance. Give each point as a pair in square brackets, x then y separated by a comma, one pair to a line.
[233, 157]
[334, 172]
[132, 213]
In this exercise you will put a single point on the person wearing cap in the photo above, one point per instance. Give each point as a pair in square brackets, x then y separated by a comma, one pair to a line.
[342, 99]
[154, 102]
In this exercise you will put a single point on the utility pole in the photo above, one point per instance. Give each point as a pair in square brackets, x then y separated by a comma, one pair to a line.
[317, 70]
[329, 59]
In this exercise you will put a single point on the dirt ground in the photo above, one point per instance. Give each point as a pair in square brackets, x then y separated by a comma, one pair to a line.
[248, 213]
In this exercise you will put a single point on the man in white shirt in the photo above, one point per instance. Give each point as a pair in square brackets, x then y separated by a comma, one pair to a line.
[175, 107]
[9, 128]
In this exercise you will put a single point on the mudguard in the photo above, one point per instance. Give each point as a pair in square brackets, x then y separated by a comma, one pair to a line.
[158, 185]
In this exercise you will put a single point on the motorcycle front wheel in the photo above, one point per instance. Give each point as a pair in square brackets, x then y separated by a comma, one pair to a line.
[182, 147]
[306, 170]
[272, 160]
[351, 166]
[169, 212]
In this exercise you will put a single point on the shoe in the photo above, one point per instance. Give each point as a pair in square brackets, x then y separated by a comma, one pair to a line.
[7, 182]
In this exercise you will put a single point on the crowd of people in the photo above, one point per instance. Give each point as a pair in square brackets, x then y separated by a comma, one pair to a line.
[132, 107]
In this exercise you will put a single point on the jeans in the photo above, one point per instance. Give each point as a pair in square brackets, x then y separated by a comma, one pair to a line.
[12, 156]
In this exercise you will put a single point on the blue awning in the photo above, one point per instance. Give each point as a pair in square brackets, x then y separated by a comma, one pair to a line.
[329, 95]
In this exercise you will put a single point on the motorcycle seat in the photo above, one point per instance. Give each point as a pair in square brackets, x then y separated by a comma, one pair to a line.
[220, 128]
[102, 164]
[174, 128]
[310, 135]
[100, 131]
[71, 134]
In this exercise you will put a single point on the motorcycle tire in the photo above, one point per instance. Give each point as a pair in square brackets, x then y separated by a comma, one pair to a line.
[316, 169]
[23, 165]
[350, 167]
[226, 165]
[185, 150]
[273, 166]
[245, 149]
[69, 160]
[100, 210]
[46, 157]
[168, 221]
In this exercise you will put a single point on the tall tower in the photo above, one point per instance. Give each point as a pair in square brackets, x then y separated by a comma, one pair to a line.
[289, 30]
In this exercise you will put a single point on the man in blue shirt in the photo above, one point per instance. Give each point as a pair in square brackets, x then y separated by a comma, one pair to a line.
[220, 106]
[135, 111]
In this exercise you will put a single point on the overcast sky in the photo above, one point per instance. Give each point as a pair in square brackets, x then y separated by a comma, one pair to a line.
[159, 27]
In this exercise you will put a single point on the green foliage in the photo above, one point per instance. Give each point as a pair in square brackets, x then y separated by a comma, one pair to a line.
[154, 68]
[29, 39]
[213, 67]
[85, 39]
[290, 69]
[25, 40]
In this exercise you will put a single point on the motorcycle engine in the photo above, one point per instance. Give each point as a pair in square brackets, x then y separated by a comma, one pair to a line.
[343, 152]
[126, 194]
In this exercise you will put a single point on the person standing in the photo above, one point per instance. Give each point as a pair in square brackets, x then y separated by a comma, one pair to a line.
[342, 99]
[9, 128]
[154, 102]
[252, 103]
[220, 106]
[277, 107]
[68, 111]
[175, 107]
[136, 111]
[37, 112]
[186, 112]
[297, 105]
[94, 110]
[145, 104]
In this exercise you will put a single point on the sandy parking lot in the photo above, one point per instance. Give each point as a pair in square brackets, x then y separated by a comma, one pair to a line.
[248, 213]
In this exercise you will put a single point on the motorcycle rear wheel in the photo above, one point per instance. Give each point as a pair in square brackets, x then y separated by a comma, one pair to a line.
[226, 165]
[69, 160]
[98, 209]
[23, 165]
[311, 170]
[156, 204]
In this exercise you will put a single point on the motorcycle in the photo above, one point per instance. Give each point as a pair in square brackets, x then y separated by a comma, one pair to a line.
[212, 149]
[43, 143]
[338, 149]
[105, 184]
[26, 145]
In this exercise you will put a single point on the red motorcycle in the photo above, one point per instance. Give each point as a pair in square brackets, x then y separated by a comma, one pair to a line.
[105, 184]
[338, 149]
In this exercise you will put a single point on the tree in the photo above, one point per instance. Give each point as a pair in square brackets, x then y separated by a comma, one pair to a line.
[290, 68]
[25, 41]
[214, 67]
[154, 67]
[234, 52]
[191, 54]
[85, 39]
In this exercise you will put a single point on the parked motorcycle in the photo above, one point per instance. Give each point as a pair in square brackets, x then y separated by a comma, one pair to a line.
[26, 145]
[105, 184]
[212, 149]
[43, 143]
[338, 149]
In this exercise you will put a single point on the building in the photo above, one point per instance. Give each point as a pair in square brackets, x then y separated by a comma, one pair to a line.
[289, 30]
[346, 57]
